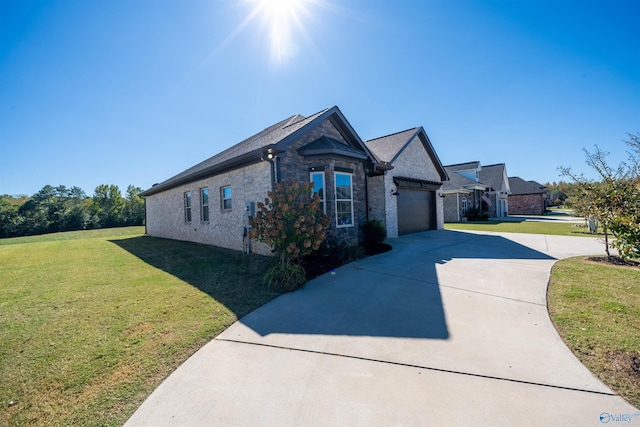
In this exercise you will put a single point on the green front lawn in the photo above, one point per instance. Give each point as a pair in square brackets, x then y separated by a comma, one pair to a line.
[530, 227]
[91, 322]
[596, 310]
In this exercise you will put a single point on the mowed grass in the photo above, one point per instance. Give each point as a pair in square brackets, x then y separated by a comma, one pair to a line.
[596, 309]
[92, 322]
[530, 227]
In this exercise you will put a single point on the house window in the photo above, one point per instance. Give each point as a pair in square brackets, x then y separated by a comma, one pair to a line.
[464, 206]
[344, 200]
[225, 198]
[204, 204]
[187, 206]
[318, 187]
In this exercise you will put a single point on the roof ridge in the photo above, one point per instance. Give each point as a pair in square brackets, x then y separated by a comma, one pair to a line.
[304, 118]
[463, 163]
[395, 133]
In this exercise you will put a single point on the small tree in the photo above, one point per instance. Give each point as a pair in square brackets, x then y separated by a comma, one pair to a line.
[614, 200]
[292, 222]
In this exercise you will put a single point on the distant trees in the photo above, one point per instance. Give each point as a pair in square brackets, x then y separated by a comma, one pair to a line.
[55, 209]
[614, 200]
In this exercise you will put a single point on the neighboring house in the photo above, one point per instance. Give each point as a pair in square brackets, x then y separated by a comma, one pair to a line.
[472, 185]
[496, 179]
[211, 201]
[527, 197]
[406, 198]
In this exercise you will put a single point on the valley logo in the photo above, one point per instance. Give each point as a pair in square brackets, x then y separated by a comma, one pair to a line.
[606, 417]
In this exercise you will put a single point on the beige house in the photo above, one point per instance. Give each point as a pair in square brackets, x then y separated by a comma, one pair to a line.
[407, 198]
[473, 186]
[212, 201]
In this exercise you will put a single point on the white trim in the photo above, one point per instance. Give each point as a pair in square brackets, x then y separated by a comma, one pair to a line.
[335, 182]
[223, 199]
[324, 189]
[202, 205]
[186, 199]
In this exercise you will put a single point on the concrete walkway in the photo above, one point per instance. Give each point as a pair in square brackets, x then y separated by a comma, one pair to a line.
[449, 328]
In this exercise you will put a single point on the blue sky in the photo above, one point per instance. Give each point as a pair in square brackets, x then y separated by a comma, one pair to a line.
[134, 91]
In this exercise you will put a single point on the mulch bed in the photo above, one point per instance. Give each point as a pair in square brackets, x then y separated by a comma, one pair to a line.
[614, 261]
[318, 264]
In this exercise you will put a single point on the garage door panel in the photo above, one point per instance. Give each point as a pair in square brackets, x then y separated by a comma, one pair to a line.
[416, 210]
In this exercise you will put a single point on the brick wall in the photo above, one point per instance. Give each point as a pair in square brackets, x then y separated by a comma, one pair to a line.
[526, 204]
[377, 199]
[453, 206]
[225, 228]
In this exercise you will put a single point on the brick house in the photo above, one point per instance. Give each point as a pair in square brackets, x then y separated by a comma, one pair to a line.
[211, 201]
[406, 198]
[527, 197]
[472, 185]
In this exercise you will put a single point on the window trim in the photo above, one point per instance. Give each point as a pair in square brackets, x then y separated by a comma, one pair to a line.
[335, 186]
[323, 200]
[186, 198]
[223, 199]
[464, 207]
[203, 205]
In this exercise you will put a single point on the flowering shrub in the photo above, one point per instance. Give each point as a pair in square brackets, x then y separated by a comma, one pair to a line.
[290, 220]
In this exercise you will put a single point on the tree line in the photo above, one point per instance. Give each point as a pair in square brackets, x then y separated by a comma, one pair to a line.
[55, 209]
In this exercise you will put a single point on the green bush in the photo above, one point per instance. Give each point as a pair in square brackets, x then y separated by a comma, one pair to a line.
[285, 274]
[374, 232]
[474, 214]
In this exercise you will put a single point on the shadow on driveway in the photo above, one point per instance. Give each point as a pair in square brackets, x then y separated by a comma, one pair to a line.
[395, 294]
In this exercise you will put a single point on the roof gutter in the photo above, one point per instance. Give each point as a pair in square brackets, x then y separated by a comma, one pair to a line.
[234, 163]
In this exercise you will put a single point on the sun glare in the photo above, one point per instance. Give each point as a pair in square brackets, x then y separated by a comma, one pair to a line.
[283, 20]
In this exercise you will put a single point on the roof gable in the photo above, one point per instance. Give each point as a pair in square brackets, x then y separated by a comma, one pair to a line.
[388, 148]
[495, 176]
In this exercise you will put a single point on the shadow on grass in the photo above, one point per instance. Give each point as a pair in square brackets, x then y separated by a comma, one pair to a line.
[230, 277]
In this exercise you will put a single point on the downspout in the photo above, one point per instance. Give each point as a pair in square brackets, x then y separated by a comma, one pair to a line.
[273, 170]
[145, 215]
[366, 193]
[458, 205]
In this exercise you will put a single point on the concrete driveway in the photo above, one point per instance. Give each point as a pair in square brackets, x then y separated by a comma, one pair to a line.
[449, 328]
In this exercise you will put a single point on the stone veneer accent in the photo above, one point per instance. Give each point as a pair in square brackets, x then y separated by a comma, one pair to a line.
[294, 166]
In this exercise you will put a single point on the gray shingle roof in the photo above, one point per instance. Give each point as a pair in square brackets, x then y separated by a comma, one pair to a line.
[463, 166]
[269, 136]
[520, 186]
[493, 175]
[388, 148]
[250, 146]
